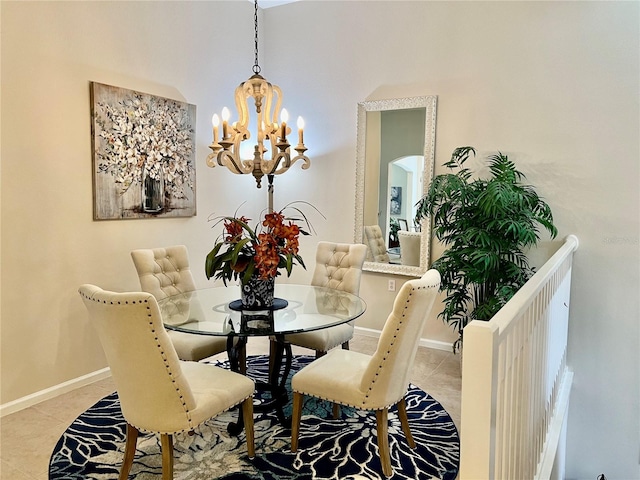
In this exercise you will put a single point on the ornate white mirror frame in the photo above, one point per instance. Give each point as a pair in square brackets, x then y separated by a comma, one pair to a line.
[368, 199]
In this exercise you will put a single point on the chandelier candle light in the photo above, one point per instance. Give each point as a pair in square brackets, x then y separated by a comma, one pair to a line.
[267, 99]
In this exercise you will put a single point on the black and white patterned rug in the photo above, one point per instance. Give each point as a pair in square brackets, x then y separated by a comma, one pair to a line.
[92, 447]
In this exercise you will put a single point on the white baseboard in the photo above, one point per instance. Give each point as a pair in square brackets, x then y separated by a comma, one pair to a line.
[52, 392]
[424, 342]
[56, 390]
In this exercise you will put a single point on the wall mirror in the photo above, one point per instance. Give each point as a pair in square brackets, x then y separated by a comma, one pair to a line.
[394, 167]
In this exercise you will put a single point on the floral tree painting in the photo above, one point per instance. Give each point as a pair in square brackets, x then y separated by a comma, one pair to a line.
[143, 154]
[395, 201]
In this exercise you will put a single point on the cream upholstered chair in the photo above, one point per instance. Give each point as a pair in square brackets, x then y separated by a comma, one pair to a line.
[158, 392]
[338, 266]
[374, 382]
[164, 272]
[409, 247]
[375, 241]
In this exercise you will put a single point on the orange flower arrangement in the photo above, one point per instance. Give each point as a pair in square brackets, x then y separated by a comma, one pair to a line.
[253, 251]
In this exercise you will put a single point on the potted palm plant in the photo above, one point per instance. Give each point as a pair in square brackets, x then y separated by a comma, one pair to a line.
[487, 224]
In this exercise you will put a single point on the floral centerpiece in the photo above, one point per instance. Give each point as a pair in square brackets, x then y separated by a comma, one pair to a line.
[255, 255]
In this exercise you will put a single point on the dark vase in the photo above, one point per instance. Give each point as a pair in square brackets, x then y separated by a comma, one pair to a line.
[257, 293]
[257, 322]
[152, 192]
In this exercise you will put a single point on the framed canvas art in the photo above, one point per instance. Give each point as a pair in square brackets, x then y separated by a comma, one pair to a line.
[395, 201]
[143, 155]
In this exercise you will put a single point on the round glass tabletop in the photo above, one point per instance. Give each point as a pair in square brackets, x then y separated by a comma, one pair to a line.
[207, 312]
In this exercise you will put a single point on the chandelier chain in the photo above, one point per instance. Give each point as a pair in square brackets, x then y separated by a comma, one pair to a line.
[256, 67]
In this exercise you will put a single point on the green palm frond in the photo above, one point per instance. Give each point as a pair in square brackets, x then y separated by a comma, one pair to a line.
[486, 224]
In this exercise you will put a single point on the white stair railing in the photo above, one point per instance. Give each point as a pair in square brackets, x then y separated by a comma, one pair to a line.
[515, 381]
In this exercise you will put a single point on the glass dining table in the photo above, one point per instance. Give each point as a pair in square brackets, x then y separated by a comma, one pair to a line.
[217, 311]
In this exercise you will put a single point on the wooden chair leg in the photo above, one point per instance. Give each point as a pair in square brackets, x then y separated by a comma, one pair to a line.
[166, 447]
[296, 416]
[247, 414]
[320, 354]
[404, 420]
[336, 411]
[382, 420]
[345, 345]
[129, 451]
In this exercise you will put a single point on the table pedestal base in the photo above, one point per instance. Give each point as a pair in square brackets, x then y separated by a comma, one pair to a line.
[281, 350]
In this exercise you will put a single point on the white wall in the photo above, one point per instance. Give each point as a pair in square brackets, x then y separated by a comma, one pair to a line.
[552, 84]
[50, 244]
[555, 86]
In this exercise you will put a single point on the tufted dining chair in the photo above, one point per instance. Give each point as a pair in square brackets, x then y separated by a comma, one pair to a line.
[164, 272]
[338, 266]
[158, 392]
[375, 241]
[373, 382]
[409, 247]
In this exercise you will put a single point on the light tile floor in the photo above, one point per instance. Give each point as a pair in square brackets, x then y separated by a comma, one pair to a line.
[27, 437]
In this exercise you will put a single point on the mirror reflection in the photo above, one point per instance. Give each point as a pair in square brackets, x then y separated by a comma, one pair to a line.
[395, 158]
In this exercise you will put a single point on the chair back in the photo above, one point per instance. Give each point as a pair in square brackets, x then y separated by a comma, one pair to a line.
[164, 271]
[339, 266]
[409, 247]
[376, 243]
[145, 367]
[387, 376]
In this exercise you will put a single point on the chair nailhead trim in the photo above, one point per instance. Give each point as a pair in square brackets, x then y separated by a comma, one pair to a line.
[395, 336]
[162, 354]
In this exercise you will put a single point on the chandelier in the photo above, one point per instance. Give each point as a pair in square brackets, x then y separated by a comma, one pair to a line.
[272, 151]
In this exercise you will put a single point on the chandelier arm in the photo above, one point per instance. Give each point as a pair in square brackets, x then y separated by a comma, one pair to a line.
[237, 140]
[229, 160]
[269, 167]
[273, 140]
[290, 161]
[271, 109]
[243, 91]
[211, 159]
[306, 161]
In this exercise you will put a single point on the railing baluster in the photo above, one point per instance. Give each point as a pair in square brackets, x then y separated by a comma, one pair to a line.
[515, 384]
